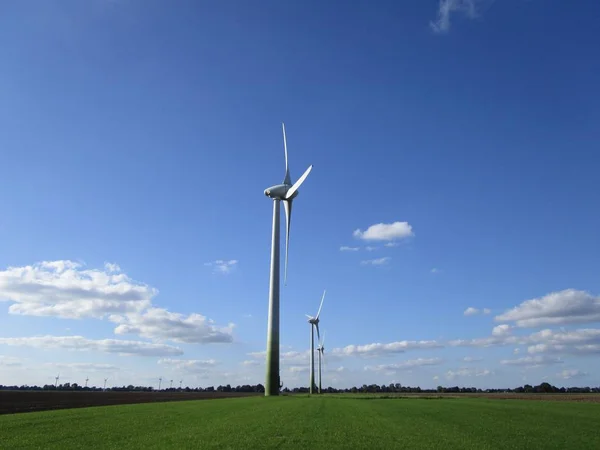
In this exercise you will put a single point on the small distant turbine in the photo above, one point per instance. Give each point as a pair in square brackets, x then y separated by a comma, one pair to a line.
[180, 381]
[105, 380]
[171, 387]
[159, 382]
[321, 350]
[56, 378]
[86, 381]
[285, 192]
[314, 323]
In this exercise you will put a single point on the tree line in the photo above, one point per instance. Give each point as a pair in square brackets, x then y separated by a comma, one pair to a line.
[259, 388]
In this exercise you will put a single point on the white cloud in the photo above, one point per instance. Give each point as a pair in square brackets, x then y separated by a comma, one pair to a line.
[391, 244]
[371, 350]
[345, 248]
[557, 308]
[385, 232]
[470, 359]
[341, 369]
[501, 330]
[435, 270]
[376, 262]
[516, 351]
[289, 357]
[192, 366]
[470, 311]
[102, 345]
[435, 378]
[467, 372]
[223, 266]
[64, 289]
[531, 361]
[405, 365]
[568, 374]
[158, 323]
[370, 248]
[447, 7]
[250, 362]
[299, 369]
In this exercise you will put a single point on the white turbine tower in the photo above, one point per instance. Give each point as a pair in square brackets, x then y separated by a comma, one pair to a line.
[314, 323]
[285, 192]
[56, 378]
[321, 350]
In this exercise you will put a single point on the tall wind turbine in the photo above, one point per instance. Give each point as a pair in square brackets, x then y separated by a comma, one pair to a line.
[56, 378]
[321, 350]
[314, 323]
[86, 381]
[105, 380]
[285, 192]
[159, 382]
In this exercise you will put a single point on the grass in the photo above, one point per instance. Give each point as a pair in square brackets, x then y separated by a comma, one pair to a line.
[302, 422]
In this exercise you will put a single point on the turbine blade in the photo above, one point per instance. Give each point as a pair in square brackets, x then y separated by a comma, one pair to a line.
[287, 205]
[318, 335]
[310, 317]
[297, 184]
[321, 306]
[322, 340]
[287, 179]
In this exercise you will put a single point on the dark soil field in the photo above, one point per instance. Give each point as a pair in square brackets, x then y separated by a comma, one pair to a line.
[25, 401]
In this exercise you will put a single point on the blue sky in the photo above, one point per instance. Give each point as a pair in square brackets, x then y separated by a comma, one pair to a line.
[138, 138]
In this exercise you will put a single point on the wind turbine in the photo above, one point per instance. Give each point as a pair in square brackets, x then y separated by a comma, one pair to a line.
[86, 381]
[159, 382]
[314, 323]
[321, 350]
[105, 380]
[56, 378]
[180, 381]
[286, 192]
[171, 387]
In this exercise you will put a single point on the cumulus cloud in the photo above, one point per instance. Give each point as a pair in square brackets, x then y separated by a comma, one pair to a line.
[376, 262]
[405, 365]
[345, 248]
[223, 266]
[568, 374]
[385, 232]
[298, 369]
[124, 348]
[378, 349]
[557, 308]
[158, 323]
[192, 366]
[250, 362]
[64, 289]
[501, 330]
[447, 7]
[467, 372]
[471, 311]
[531, 361]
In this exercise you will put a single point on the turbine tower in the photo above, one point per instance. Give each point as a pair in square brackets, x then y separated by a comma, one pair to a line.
[105, 380]
[159, 382]
[314, 323]
[321, 350]
[86, 381]
[285, 192]
[56, 378]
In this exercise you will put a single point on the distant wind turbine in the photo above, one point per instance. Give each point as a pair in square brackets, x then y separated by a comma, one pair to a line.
[171, 387]
[321, 350]
[56, 378]
[314, 323]
[105, 380]
[285, 192]
[180, 381]
[86, 381]
[159, 382]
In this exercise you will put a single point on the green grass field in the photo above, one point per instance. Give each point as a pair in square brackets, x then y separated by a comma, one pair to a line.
[318, 422]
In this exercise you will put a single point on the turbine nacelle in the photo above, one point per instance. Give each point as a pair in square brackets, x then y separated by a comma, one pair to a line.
[279, 191]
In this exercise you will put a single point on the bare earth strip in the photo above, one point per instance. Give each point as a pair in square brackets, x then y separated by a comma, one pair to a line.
[25, 401]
